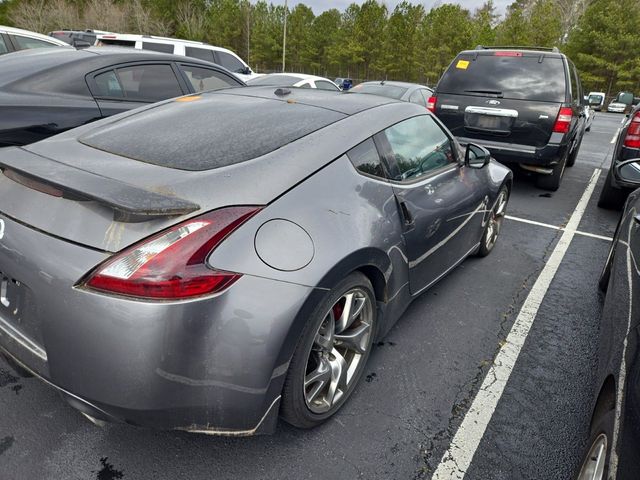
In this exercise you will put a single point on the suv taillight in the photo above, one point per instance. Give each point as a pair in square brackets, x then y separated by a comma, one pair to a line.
[632, 139]
[431, 104]
[563, 122]
[172, 264]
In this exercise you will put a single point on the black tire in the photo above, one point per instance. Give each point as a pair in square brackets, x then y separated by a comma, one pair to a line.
[611, 198]
[294, 409]
[588, 129]
[552, 182]
[571, 160]
[602, 429]
[486, 243]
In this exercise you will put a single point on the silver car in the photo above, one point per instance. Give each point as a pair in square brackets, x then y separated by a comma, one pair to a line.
[211, 262]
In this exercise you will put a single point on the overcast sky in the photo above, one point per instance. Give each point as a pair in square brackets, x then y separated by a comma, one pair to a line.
[319, 6]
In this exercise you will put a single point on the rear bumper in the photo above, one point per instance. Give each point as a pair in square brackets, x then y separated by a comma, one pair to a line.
[546, 156]
[213, 365]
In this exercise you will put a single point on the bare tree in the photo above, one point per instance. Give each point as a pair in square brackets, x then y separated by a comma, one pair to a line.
[105, 15]
[191, 21]
[44, 16]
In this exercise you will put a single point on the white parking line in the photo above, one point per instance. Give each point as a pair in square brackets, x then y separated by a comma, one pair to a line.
[546, 225]
[615, 135]
[456, 460]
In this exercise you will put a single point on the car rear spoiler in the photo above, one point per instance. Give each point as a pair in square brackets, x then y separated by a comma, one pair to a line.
[130, 203]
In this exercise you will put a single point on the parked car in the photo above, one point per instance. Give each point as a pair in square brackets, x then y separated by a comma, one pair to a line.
[596, 100]
[14, 39]
[615, 189]
[623, 103]
[47, 91]
[524, 105]
[188, 48]
[343, 83]
[78, 38]
[294, 80]
[589, 115]
[407, 92]
[615, 422]
[165, 290]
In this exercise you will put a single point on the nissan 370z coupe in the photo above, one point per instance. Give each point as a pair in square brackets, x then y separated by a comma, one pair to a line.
[211, 262]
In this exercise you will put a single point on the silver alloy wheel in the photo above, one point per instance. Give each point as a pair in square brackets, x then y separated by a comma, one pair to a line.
[339, 345]
[593, 467]
[495, 220]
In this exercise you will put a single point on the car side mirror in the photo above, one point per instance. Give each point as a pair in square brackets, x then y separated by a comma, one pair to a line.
[246, 71]
[476, 156]
[629, 171]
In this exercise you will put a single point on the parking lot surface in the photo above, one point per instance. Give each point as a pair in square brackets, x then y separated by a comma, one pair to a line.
[420, 381]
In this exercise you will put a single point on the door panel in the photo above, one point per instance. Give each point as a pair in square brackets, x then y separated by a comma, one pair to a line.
[439, 199]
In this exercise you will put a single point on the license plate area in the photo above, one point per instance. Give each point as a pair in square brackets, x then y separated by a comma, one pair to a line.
[490, 120]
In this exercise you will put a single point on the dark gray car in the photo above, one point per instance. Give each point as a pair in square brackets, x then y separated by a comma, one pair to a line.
[209, 262]
[407, 92]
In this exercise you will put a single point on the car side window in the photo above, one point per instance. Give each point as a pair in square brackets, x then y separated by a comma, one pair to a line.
[416, 97]
[24, 43]
[107, 85]
[149, 83]
[418, 147]
[366, 159]
[158, 47]
[229, 62]
[3, 45]
[202, 79]
[575, 94]
[324, 85]
[200, 54]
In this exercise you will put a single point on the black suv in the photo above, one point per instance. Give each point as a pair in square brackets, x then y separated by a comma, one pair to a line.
[525, 105]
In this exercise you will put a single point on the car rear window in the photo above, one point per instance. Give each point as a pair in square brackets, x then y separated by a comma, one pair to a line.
[390, 91]
[506, 75]
[209, 131]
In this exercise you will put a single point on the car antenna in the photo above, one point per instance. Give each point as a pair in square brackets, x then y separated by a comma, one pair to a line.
[281, 92]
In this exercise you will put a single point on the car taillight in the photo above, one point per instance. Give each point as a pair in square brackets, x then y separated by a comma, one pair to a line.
[632, 139]
[172, 264]
[563, 122]
[431, 104]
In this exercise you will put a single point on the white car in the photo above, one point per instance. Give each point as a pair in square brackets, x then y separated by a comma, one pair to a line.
[295, 80]
[187, 48]
[12, 39]
[617, 107]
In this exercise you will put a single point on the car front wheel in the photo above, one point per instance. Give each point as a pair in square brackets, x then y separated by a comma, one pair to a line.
[331, 354]
[595, 465]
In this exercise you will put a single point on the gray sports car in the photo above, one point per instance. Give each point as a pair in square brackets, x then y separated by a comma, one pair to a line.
[211, 262]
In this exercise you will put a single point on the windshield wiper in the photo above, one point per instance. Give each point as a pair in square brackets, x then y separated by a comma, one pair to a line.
[497, 93]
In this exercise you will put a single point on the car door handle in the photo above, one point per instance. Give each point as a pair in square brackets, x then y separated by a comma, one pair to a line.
[406, 215]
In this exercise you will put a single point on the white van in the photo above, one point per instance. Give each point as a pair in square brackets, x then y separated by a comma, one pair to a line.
[596, 100]
[188, 48]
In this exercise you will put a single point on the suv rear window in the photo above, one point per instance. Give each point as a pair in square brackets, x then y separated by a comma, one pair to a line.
[523, 77]
[211, 131]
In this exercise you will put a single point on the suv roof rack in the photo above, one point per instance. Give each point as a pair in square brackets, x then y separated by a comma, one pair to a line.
[518, 47]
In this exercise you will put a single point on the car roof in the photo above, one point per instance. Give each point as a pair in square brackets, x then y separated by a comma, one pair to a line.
[39, 36]
[134, 37]
[301, 76]
[397, 84]
[554, 53]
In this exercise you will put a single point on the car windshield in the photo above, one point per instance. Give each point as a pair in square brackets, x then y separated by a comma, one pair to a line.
[595, 98]
[624, 97]
[506, 75]
[391, 91]
[275, 80]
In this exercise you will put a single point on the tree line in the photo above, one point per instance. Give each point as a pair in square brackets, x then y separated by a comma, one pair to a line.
[367, 40]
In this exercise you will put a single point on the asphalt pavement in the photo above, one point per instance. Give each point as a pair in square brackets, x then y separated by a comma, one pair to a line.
[420, 381]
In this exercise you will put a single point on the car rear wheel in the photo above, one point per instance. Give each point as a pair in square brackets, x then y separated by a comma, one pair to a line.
[494, 224]
[552, 182]
[331, 354]
[610, 197]
[595, 465]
